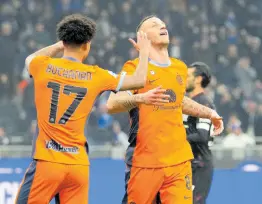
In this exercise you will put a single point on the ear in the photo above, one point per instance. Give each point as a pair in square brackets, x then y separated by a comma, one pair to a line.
[198, 79]
[86, 46]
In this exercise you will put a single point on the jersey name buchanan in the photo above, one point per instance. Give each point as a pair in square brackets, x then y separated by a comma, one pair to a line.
[68, 74]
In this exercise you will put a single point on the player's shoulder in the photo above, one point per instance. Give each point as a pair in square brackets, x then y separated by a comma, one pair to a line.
[178, 62]
[130, 65]
[102, 71]
[132, 62]
[39, 59]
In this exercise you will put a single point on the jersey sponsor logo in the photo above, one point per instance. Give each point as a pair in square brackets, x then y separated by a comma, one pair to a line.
[53, 145]
[152, 72]
[172, 99]
[179, 79]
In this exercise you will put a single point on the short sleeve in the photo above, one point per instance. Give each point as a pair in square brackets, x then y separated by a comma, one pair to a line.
[129, 68]
[112, 81]
[36, 64]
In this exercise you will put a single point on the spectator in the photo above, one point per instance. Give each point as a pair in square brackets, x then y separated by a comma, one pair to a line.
[3, 138]
[236, 138]
[104, 120]
[121, 137]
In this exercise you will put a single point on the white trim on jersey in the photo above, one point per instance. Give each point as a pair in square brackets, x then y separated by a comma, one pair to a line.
[129, 92]
[203, 126]
[204, 120]
[121, 80]
[28, 60]
[185, 117]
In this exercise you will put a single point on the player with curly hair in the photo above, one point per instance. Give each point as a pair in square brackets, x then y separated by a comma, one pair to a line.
[65, 91]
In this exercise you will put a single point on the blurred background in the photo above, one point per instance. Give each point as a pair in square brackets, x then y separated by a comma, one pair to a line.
[225, 34]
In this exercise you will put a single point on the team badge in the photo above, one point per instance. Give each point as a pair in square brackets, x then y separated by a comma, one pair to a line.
[152, 72]
[179, 79]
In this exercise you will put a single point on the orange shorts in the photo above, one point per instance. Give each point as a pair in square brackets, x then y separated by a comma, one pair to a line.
[171, 185]
[45, 180]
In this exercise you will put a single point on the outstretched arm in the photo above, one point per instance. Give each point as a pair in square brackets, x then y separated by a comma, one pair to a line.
[195, 109]
[190, 107]
[124, 101]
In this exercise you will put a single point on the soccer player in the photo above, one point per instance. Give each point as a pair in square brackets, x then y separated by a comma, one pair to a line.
[199, 132]
[65, 90]
[159, 156]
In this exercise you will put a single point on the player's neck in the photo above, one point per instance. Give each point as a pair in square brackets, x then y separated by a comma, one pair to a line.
[159, 55]
[195, 92]
[75, 55]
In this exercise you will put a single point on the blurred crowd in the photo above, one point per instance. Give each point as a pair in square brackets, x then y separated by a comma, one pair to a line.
[225, 34]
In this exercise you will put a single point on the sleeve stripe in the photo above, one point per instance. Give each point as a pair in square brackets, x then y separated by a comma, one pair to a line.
[203, 126]
[204, 120]
[121, 80]
[129, 92]
[28, 60]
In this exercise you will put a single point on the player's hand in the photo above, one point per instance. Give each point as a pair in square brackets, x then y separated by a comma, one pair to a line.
[155, 96]
[217, 121]
[143, 44]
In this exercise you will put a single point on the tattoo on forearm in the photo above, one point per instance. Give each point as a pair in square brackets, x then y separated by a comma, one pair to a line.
[130, 102]
[195, 109]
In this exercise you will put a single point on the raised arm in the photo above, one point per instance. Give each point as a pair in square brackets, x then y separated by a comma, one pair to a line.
[50, 51]
[138, 79]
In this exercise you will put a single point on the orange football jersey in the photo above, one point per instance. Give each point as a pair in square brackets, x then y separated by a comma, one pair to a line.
[157, 134]
[65, 91]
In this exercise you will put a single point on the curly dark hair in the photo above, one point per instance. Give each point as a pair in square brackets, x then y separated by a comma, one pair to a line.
[76, 30]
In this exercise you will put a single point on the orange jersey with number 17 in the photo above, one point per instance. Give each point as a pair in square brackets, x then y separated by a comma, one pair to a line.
[65, 91]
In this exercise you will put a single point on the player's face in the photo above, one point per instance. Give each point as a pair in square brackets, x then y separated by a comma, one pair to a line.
[190, 80]
[156, 31]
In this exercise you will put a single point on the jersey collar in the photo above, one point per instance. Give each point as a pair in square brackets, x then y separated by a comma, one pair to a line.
[71, 58]
[159, 64]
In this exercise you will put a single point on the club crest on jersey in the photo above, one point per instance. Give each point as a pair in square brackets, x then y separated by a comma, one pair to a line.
[179, 79]
[152, 72]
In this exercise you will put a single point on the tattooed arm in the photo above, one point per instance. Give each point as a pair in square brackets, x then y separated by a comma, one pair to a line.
[122, 102]
[195, 109]
[125, 101]
[190, 107]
